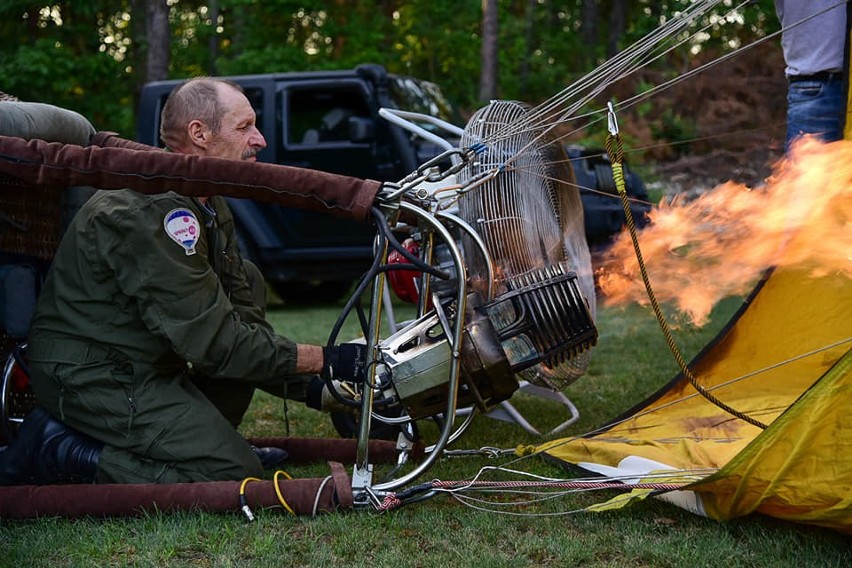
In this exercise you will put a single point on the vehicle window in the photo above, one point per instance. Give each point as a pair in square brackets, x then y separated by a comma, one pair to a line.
[422, 97]
[255, 97]
[321, 114]
[159, 110]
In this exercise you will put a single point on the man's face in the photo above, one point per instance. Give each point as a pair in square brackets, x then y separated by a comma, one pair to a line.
[238, 138]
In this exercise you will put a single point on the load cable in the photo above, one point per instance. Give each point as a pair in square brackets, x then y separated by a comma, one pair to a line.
[393, 501]
[615, 149]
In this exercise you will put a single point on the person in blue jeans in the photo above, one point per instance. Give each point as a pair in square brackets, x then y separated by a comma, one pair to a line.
[813, 39]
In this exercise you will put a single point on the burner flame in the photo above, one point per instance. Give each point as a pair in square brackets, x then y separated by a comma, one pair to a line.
[719, 244]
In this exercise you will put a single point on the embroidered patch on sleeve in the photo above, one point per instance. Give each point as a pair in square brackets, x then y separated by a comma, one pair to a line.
[183, 228]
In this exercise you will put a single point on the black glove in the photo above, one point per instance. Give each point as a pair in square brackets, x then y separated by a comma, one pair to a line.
[345, 362]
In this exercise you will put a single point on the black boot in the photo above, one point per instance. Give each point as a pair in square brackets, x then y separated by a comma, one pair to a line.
[46, 451]
[270, 458]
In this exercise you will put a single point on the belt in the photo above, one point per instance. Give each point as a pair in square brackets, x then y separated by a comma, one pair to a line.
[65, 349]
[821, 76]
[56, 348]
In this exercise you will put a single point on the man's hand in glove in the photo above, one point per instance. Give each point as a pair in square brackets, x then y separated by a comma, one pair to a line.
[345, 362]
[342, 365]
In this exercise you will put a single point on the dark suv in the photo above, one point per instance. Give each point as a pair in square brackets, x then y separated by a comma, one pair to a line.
[329, 121]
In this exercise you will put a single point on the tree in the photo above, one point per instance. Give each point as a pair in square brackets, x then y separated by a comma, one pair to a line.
[528, 35]
[66, 52]
[490, 43]
[589, 29]
[157, 32]
[617, 26]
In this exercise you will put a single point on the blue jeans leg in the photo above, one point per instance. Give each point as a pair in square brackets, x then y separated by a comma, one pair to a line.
[815, 107]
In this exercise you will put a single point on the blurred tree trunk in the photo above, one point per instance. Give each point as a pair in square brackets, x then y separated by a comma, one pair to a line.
[488, 73]
[235, 30]
[589, 22]
[589, 32]
[617, 25]
[213, 42]
[341, 12]
[157, 32]
[139, 49]
[529, 29]
[655, 8]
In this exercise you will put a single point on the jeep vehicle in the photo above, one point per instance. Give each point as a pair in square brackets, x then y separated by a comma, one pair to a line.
[330, 121]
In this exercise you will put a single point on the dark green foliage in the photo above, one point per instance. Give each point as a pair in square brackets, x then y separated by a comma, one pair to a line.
[89, 55]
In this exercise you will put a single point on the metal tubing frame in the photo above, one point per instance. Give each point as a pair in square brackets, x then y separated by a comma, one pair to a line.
[405, 119]
[6, 418]
[427, 251]
[362, 473]
[362, 477]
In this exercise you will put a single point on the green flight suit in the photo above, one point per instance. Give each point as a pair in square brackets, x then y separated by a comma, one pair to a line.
[147, 300]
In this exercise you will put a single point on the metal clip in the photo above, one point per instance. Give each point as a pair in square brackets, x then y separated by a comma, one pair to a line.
[490, 452]
[430, 171]
[612, 123]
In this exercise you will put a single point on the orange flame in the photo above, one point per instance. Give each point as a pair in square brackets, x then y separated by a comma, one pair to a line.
[719, 244]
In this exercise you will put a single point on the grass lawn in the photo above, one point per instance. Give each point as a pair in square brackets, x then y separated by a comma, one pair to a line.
[630, 362]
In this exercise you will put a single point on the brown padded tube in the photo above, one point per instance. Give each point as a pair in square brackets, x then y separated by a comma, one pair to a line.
[107, 139]
[111, 500]
[51, 163]
[73, 501]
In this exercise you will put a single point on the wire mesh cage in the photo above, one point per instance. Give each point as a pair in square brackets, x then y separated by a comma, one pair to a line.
[529, 215]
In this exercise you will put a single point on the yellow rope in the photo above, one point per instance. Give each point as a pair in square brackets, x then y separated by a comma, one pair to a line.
[615, 149]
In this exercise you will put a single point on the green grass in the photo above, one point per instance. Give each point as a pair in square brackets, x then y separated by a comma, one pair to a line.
[630, 362]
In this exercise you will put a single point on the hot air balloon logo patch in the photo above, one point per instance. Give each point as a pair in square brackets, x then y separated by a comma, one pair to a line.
[183, 228]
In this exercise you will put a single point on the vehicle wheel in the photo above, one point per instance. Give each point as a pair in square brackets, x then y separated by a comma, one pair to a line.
[16, 395]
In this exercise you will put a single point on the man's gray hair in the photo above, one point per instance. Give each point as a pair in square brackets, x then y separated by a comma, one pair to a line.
[194, 99]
